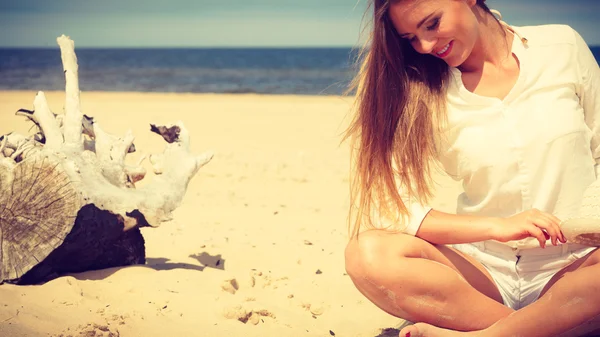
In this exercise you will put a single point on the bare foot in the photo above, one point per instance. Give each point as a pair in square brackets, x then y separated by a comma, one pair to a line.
[426, 330]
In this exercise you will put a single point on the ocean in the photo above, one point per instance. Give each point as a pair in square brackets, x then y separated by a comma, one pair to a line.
[300, 71]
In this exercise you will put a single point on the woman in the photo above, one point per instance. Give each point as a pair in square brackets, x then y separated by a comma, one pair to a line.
[512, 112]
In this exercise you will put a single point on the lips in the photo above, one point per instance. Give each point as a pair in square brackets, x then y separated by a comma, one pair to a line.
[445, 51]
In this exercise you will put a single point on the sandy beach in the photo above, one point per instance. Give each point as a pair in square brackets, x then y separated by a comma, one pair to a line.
[269, 211]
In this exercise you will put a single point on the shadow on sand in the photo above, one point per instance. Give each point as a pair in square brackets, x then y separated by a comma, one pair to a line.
[389, 332]
[157, 263]
[160, 263]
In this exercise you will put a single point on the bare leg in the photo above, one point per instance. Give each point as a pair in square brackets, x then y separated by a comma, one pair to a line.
[591, 327]
[415, 280]
[571, 299]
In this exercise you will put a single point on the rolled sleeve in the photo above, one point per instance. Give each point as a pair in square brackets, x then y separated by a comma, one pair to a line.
[409, 223]
[417, 214]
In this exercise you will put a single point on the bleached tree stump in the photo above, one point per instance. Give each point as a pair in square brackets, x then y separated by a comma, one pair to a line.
[68, 201]
[584, 227]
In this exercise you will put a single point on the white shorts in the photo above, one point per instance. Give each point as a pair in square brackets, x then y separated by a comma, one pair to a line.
[522, 274]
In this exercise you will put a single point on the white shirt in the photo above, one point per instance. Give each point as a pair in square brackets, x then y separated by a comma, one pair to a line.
[537, 148]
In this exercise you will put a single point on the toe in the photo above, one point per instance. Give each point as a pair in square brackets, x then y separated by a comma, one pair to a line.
[409, 331]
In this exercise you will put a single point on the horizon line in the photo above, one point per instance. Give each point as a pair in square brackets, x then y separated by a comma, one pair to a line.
[211, 47]
[190, 47]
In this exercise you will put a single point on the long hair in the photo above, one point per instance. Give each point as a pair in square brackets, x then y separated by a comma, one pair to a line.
[397, 127]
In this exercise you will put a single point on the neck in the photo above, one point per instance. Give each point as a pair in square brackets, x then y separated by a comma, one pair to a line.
[493, 46]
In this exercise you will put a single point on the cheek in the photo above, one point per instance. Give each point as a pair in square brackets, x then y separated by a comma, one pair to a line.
[466, 34]
[464, 28]
[471, 30]
[451, 29]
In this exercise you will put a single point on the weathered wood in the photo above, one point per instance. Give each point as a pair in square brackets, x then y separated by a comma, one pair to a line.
[37, 208]
[96, 241]
[69, 203]
[584, 227]
[73, 115]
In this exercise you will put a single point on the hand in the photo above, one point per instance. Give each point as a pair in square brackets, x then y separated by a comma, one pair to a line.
[531, 223]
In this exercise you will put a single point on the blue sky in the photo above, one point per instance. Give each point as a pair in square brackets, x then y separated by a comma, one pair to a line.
[220, 23]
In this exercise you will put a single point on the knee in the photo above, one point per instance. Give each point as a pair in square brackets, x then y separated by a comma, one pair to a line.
[593, 258]
[375, 249]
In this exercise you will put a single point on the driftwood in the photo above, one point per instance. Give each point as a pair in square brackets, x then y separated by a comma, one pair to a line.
[68, 201]
[584, 227]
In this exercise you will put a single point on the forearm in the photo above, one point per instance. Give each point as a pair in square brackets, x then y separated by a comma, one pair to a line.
[445, 228]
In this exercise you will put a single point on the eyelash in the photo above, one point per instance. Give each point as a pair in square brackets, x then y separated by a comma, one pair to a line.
[433, 26]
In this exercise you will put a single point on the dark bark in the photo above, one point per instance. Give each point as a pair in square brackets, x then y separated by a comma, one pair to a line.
[97, 241]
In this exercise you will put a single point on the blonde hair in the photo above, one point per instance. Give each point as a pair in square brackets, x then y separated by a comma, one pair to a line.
[396, 130]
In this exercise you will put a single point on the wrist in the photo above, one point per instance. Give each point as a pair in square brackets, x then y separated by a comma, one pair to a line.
[492, 228]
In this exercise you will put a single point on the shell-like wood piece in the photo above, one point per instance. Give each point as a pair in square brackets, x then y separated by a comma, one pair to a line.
[585, 227]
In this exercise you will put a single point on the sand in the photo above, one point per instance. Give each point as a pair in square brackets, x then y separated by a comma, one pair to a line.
[266, 216]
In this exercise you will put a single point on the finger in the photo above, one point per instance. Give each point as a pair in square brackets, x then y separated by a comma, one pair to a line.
[546, 235]
[552, 234]
[557, 222]
[563, 238]
[548, 228]
[561, 234]
[548, 223]
[537, 233]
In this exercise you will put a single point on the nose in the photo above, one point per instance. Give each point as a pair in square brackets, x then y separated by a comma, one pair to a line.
[424, 45]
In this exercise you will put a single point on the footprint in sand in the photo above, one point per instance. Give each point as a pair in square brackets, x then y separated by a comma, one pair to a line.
[92, 330]
[316, 309]
[255, 279]
[246, 316]
[249, 312]
[231, 286]
[251, 288]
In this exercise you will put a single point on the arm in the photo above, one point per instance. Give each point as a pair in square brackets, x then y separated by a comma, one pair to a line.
[444, 228]
[438, 227]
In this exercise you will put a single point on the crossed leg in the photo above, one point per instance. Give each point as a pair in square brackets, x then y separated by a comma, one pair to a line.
[569, 306]
[412, 279]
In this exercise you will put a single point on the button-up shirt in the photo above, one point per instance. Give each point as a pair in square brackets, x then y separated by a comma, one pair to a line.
[539, 147]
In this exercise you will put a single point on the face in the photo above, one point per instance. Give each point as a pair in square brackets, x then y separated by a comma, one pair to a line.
[447, 29]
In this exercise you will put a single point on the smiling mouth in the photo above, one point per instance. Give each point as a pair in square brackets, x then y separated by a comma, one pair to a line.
[445, 51]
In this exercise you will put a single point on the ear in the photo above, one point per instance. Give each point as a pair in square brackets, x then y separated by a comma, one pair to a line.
[471, 3]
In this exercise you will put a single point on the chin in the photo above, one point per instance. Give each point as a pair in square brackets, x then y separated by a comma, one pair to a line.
[453, 63]
[456, 61]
